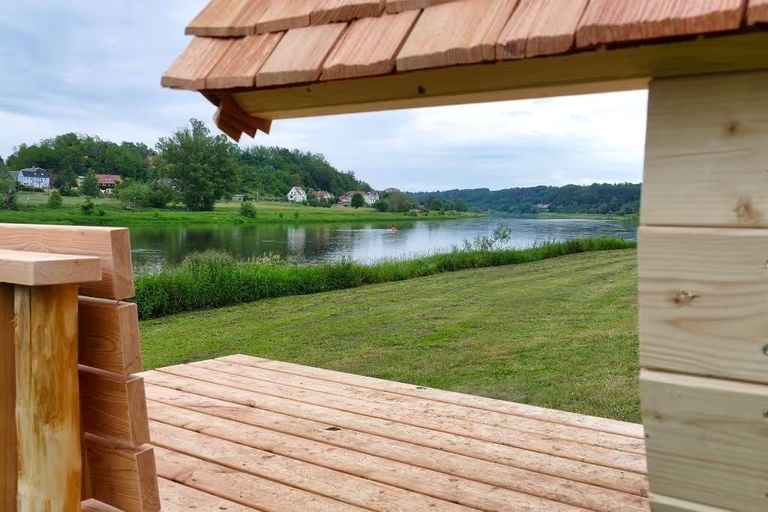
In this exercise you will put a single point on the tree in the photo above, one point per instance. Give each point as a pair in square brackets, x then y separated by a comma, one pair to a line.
[88, 207]
[204, 165]
[460, 205]
[7, 191]
[90, 185]
[357, 200]
[434, 203]
[248, 210]
[55, 201]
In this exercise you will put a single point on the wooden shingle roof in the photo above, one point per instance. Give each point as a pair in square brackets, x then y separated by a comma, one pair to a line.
[247, 46]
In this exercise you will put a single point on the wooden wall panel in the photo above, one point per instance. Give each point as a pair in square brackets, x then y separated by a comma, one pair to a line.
[706, 439]
[757, 11]
[109, 335]
[706, 151]
[111, 245]
[666, 504]
[704, 301]
[7, 402]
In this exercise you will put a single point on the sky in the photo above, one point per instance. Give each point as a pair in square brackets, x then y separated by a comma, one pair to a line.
[94, 67]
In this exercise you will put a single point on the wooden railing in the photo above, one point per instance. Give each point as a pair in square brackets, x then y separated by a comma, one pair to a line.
[70, 409]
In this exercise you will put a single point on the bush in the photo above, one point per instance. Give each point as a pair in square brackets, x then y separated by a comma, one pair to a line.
[88, 208]
[215, 279]
[248, 210]
[55, 201]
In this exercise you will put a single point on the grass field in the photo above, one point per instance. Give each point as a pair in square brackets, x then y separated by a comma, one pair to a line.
[33, 209]
[558, 333]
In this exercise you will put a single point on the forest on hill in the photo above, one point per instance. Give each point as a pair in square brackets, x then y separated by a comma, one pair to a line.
[598, 198]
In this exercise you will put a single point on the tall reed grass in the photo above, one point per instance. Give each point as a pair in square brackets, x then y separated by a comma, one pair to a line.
[214, 279]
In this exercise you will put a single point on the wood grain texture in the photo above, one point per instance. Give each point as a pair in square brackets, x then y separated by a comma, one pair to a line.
[757, 11]
[238, 66]
[109, 335]
[330, 11]
[97, 506]
[175, 497]
[300, 55]
[369, 47]
[621, 21]
[111, 245]
[122, 476]
[706, 154]
[706, 439]
[47, 411]
[226, 18]
[282, 15]
[703, 305]
[113, 406]
[666, 504]
[191, 69]
[7, 401]
[463, 32]
[44, 269]
[540, 27]
[395, 6]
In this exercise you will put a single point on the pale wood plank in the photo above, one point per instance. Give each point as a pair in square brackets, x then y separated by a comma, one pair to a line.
[667, 504]
[431, 483]
[330, 11]
[529, 472]
[701, 301]
[757, 11]
[227, 18]
[180, 498]
[112, 245]
[584, 72]
[621, 21]
[242, 488]
[286, 15]
[300, 55]
[425, 407]
[44, 269]
[396, 6]
[706, 439]
[97, 506]
[122, 476]
[706, 151]
[450, 397]
[109, 335]
[113, 406]
[47, 413]
[7, 401]
[511, 451]
[241, 61]
[540, 27]
[369, 47]
[192, 67]
[463, 32]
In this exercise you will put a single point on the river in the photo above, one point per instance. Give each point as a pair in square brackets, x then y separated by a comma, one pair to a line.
[158, 246]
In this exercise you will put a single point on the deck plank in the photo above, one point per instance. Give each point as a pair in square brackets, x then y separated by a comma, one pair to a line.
[402, 416]
[176, 497]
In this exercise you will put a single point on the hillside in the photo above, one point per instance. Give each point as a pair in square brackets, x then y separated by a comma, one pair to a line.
[621, 198]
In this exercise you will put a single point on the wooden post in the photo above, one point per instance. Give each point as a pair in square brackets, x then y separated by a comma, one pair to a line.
[44, 338]
[703, 284]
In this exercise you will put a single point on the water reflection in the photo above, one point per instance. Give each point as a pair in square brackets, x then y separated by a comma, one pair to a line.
[154, 247]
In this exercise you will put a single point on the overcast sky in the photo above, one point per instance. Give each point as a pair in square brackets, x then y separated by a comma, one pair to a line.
[94, 67]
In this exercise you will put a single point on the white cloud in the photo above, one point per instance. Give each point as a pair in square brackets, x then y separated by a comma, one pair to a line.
[94, 67]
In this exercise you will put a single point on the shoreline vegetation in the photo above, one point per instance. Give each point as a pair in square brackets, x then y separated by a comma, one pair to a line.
[214, 279]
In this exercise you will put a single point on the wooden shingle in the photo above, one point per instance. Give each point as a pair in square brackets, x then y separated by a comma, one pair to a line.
[369, 46]
[540, 27]
[463, 32]
[191, 68]
[224, 18]
[287, 14]
[395, 6]
[300, 55]
[621, 21]
[239, 65]
[757, 11]
[346, 10]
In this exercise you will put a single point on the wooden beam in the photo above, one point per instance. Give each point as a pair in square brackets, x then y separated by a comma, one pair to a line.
[113, 406]
[47, 412]
[7, 402]
[109, 335]
[43, 269]
[97, 506]
[706, 151]
[706, 439]
[578, 73]
[111, 245]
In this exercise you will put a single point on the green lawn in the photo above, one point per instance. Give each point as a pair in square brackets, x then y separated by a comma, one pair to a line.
[559, 333]
[33, 209]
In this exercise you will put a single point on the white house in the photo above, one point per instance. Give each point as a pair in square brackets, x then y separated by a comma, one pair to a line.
[297, 195]
[34, 177]
[371, 197]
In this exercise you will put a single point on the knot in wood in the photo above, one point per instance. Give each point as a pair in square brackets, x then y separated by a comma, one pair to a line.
[684, 297]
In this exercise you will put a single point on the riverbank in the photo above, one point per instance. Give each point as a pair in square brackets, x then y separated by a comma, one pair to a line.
[632, 218]
[214, 279]
[34, 210]
[556, 333]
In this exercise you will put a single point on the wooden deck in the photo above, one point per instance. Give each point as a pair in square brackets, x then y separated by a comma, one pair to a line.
[242, 433]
